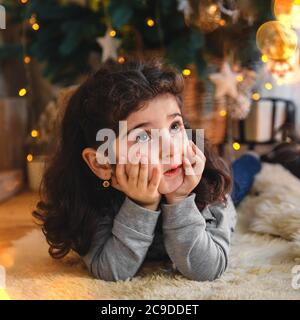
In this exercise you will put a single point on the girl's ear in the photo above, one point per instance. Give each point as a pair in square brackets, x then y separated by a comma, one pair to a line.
[103, 171]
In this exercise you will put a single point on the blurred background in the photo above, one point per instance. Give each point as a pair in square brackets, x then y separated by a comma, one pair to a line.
[240, 60]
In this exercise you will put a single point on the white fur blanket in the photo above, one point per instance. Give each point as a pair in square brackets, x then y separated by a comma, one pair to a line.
[260, 264]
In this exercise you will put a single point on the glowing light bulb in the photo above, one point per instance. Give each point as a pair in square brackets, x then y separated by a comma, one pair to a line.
[186, 72]
[35, 26]
[121, 60]
[22, 92]
[29, 157]
[223, 113]
[113, 33]
[268, 86]
[236, 146]
[34, 133]
[256, 96]
[150, 22]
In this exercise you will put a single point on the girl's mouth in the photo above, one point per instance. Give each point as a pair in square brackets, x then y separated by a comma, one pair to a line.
[174, 171]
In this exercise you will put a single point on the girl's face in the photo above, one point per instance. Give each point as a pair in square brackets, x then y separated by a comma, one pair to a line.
[162, 146]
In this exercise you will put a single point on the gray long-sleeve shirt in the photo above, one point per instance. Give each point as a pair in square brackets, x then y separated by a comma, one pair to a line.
[196, 242]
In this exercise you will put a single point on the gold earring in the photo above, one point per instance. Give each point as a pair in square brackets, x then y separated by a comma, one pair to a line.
[106, 183]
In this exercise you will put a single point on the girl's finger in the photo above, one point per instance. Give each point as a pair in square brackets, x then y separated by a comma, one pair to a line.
[198, 166]
[197, 150]
[121, 174]
[134, 171]
[143, 174]
[188, 169]
[155, 179]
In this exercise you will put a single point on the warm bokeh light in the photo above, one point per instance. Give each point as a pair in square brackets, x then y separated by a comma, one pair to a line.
[150, 22]
[223, 113]
[288, 12]
[29, 157]
[256, 96]
[121, 60]
[240, 78]
[186, 72]
[236, 146]
[276, 41]
[222, 22]
[268, 86]
[34, 133]
[264, 58]
[24, 1]
[27, 59]
[35, 26]
[22, 92]
[113, 33]
[4, 295]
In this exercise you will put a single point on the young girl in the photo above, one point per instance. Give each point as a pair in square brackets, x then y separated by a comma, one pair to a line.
[116, 216]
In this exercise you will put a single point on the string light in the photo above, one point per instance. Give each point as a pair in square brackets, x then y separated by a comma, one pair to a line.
[32, 19]
[150, 22]
[186, 72]
[121, 60]
[34, 133]
[29, 157]
[27, 59]
[22, 92]
[236, 146]
[222, 22]
[268, 86]
[24, 1]
[264, 58]
[256, 96]
[239, 78]
[212, 9]
[35, 26]
[113, 33]
[223, 113]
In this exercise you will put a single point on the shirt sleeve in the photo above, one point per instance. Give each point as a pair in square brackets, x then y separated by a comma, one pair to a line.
[198, 242]
[121, 243]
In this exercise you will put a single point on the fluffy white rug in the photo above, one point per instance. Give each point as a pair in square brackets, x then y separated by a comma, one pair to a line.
[260, 265]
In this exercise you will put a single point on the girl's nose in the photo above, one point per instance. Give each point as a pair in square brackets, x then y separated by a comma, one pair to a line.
[166, 148]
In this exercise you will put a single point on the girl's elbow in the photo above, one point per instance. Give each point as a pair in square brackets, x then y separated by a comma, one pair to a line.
[209, 271]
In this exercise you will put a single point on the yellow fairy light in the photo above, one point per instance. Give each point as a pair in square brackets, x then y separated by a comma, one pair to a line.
[113, 33]
[236, 146]
[268, 86]
[23, 1]
[121, 60]
[27, 59]
[222, 22]
[223, 113]
[29, 157]
[240, 78]
[3, 294]
[186, 72]
[34, 133]
[150, 22]
[35, 26]
[264, 58]
[256, 96]
[22, 92]
[212, 9]
[32, 19]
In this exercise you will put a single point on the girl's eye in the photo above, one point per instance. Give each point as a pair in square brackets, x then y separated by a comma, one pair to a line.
[176, 126]
[142, 137]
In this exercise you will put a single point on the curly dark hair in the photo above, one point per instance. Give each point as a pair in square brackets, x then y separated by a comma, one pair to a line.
[71, 197]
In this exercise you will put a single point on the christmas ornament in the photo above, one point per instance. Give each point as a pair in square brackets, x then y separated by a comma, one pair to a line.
[225, 82]
[276, 41]
[205, 15]
[109, 45]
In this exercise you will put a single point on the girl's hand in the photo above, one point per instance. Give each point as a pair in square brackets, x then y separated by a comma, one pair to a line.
[136, 185]
[192, 173]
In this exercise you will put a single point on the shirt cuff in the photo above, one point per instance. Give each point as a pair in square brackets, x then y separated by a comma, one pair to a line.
[138, 218]
[182, 213]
